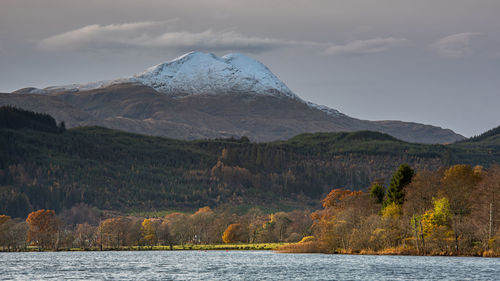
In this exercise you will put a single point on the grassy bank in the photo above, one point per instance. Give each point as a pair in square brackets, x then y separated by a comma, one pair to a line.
[185, 247]
[313, 247]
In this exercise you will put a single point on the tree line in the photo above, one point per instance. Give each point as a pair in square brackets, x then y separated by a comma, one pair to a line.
[84, 227]
[17, 118]
[452, 211]
[449, 211]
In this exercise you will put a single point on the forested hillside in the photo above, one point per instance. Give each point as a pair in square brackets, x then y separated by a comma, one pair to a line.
[44, 168]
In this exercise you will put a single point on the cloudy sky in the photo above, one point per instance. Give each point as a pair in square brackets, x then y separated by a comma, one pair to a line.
[429, 61]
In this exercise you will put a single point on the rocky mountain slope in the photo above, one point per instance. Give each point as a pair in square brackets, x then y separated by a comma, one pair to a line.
[204, 96]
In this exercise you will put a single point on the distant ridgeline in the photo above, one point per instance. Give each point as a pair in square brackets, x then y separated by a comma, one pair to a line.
[490, 135]
[43, 166]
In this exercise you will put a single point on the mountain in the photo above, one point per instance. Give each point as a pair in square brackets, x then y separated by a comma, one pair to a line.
[199, 96]
[43, 166]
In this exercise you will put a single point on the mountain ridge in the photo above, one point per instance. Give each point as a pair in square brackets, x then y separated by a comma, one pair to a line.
[204, 96]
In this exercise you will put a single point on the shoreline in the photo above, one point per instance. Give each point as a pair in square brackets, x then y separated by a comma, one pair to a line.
[274, 247]
[292, 249]
[185, 247]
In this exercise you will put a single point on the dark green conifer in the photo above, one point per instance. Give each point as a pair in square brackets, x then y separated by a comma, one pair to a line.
[399, 180]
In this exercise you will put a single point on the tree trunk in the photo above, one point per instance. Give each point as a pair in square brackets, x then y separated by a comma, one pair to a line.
[422, 237]
[416, 239]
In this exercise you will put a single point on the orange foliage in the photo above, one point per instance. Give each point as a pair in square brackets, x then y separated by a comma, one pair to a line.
[203, 210]
[234, 233]
[43, 225]
[337, 198]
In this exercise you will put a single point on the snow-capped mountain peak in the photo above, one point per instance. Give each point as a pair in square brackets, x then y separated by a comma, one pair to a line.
[200, 73]
[197, 73]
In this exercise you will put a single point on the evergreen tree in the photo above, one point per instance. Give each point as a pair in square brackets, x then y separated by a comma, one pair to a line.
[377, 191]
[399, 180]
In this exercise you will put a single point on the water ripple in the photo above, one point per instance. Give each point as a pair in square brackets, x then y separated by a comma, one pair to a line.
[239, 265]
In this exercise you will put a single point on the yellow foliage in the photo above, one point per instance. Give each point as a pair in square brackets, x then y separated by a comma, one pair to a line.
[442, 212]
[307, 239]
[462, 174]
[437, 217]
[392, 211]
[428, 224]
[148, 231]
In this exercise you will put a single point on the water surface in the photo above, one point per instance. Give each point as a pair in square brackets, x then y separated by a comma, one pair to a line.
[239, 265]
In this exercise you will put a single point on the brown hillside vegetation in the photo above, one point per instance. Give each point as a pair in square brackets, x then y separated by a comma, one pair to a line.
[454, 211]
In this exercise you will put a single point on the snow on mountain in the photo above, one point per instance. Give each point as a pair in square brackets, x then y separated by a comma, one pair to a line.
[200, 73]
[324, 108]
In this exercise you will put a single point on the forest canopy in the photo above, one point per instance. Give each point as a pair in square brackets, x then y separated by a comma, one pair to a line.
[43, 166]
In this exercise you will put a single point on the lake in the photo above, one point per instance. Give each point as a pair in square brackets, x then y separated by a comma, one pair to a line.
[239, 265]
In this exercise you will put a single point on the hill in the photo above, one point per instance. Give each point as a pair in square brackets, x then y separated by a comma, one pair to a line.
[490, 137]
[122, 171]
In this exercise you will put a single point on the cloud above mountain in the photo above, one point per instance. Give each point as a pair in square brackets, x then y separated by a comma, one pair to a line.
[147, 35]
[363, 47]
[456, 45]
[150, 34]
[98, 36]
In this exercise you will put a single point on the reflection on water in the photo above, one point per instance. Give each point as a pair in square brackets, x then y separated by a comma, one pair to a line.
[240, 265]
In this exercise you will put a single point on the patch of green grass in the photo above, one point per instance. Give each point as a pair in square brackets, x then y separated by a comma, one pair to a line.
[210, 247]
[185, 247]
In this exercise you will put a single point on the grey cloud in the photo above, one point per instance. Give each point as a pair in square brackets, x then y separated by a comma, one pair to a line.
[456, 45]
[213, 40]
[140, 35]
[97, 36]
[146, 35]
[362, 47]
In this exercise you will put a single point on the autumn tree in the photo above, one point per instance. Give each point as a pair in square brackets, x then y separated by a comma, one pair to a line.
[255, 220]
[419, 196]
[235, 233]
[85, 235]
[12, 233]
[179, 228]
[334, 224]
[299, 226]
[133, 236]
[112, 231]
[458, 185]
[43, 228]
[149, 231]
[201, 222]
[338, 198]
[392, 225]
[485, 209]
[164, 236]
[4, 226]
[280, 221]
